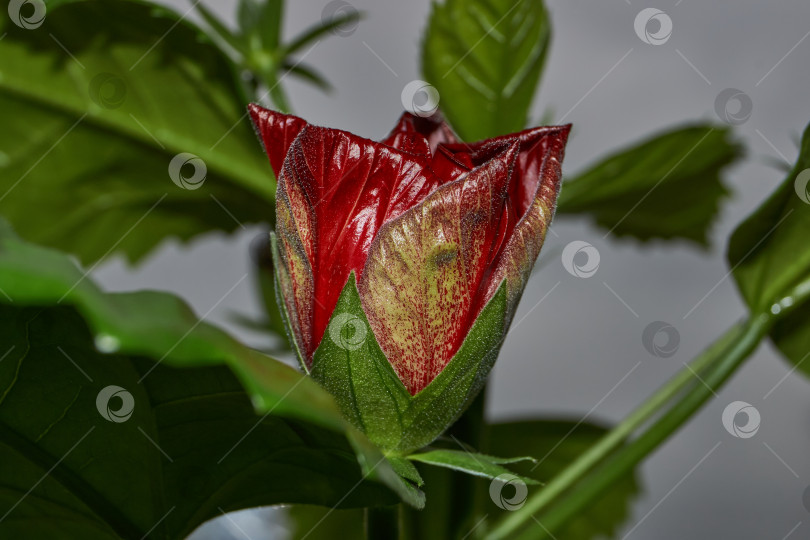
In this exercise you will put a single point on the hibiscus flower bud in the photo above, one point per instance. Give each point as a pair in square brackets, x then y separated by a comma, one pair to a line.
[400, 263]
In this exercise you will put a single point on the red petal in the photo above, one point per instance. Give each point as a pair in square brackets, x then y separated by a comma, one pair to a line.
[277, 131]
[432, 129]
[535, 145]
[419, 284]
[539, 168]
[334, 192]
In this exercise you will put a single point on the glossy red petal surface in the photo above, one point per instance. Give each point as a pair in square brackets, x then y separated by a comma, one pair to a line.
[277, 131]
[410, 128]
[535, 145]
[539, 167]
[335, 190]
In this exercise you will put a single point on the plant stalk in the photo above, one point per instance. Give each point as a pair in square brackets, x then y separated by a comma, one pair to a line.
[570, 495]
[631, 455]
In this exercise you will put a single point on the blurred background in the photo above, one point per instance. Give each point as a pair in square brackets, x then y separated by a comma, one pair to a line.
[576, 349]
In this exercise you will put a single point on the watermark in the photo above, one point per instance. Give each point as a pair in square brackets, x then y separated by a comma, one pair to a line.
[123, 412]
[661, 339]
[420, 98]
[348, 331]
[806, 498]
[653, 26]
[28, 14]
[339, 9]
[580, 259]
[733, 106]
[106, 343]
[504, 501]
[752, 419]
[187, 171]
[802, 185]
[107, 90]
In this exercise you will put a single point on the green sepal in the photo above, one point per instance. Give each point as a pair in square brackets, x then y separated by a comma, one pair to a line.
[406, 469]
[358, 375]
[350, 364]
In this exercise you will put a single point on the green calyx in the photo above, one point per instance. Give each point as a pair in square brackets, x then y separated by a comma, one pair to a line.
[350, 365]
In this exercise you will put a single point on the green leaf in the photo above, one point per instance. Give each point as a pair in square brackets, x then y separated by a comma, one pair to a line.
[95, 129]
[318, 523]
[770, 258]
[351, 366]
[665, 187]
[485, 58]
[161, 327]
[308, 74]
[471, 463]
[260, 25]
[220, 30]
[269, 23]
[192, 449]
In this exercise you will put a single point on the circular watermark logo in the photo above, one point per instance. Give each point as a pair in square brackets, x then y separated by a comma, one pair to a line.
[108, 90]
[731, 414]
[661, 339]
[348, 331]
[580, 259]
[124, 410]
[187, 171]
[806, 498]
[339, 9]
[802, 185]
[733, 106]
[420, 98]
[28, 14]
[653, 26]
[509, 498]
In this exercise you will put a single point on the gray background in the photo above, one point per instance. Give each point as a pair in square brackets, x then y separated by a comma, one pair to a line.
[568, 354]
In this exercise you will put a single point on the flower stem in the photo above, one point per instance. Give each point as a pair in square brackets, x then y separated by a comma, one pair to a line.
[470, 430]
[567, 494]
[382, 522]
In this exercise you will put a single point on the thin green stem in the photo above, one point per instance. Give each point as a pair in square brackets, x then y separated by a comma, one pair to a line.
[569, 494]
[631, 455]
[382, 522]
[614, 440]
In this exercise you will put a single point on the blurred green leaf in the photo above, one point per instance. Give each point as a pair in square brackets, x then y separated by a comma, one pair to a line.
[269, 23]
[162, 328]
[318, 523]
[104, 95]
[667, 186]
[769, 254]
[485, 58]
[237, 43]
[319, 31]
[309, 74]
